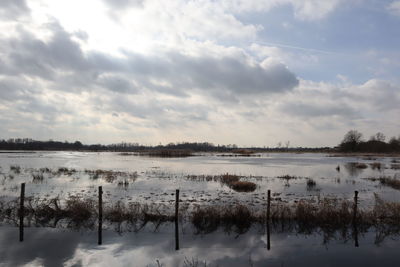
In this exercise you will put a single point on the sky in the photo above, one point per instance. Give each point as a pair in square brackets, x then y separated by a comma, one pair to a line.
[245, 72]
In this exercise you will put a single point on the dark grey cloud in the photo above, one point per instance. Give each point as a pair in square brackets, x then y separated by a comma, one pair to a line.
[117, 83]
[12, 9]
[28, 55]
[210, 73]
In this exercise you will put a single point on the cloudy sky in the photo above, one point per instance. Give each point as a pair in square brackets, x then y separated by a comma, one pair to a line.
[249, 72]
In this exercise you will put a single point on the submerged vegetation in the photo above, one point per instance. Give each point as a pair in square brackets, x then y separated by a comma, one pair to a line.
[387, 181]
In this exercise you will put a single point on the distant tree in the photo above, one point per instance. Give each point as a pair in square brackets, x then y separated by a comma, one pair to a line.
[394, 143]
[378, 137]
[351, 140]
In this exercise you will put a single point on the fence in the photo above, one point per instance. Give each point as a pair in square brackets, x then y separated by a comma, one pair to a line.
[176, 217]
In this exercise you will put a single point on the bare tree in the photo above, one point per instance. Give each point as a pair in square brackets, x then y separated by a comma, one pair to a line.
[378, 137]
[351, 140]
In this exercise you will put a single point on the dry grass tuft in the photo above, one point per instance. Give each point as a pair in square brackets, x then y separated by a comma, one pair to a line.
[15, 168]
[375, 165]
[395, 166]
[311, 184]
[359, 165]
[111, 176]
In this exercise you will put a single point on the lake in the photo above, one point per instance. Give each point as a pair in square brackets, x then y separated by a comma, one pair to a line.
[149, 180]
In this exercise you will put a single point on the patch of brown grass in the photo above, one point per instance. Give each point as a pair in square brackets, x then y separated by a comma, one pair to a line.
[375, 165]
[243, 186]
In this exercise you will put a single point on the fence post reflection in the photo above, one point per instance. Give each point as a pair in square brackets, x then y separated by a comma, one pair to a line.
[21, 213]
[268, 219]
[176, 219]
[100, 237]
[355, 230]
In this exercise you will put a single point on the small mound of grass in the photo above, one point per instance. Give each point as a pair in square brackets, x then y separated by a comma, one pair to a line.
[233, 181]
[15, 168]
[359, 165]
[243, 186]
[375, 165]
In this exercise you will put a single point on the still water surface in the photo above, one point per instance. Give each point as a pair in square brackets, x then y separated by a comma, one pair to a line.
[157, 178]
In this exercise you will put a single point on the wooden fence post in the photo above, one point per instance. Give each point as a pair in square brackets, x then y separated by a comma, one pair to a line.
[100, 237]
[176, 219]
[21, 213]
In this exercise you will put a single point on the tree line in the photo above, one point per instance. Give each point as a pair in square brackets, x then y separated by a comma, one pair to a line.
[353, 142]
[31, 145]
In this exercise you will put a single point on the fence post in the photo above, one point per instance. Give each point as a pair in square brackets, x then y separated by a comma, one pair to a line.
[268, 219]
[176, 219]
[21, 213]
[100, 239]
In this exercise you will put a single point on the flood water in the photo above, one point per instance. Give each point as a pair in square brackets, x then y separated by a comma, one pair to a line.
[154, 180]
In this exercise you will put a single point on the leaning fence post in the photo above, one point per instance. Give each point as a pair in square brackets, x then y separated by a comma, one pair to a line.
[21, 213]
[268, 218]
[176, 219]
[100, 239]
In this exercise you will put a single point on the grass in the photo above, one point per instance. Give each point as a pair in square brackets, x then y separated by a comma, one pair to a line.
[359, 165]
[233, 181]
[243, 186]
[375, 165]
[65, 171]
[387, 181]
[327, 214]
[395, 166]
[37, 177]
[288, 177]
[110, 176]
[15, 168]
[311, 184]
[229, 179]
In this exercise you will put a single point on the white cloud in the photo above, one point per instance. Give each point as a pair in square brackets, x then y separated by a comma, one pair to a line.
[394, 8]
[303, 9]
